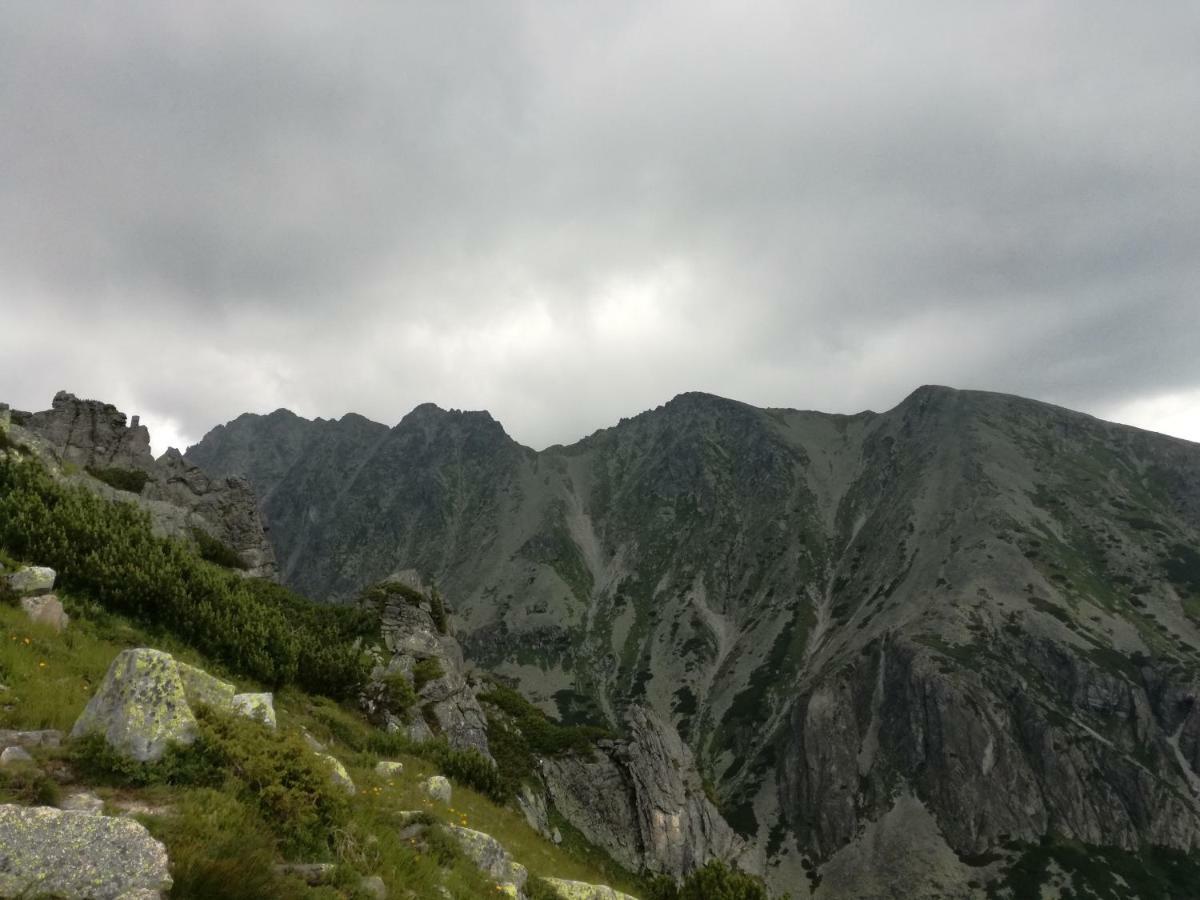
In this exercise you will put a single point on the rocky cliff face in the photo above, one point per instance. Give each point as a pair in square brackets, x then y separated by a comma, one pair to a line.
[925, 634]
[642, 799]
[417, 646]
[88, 438]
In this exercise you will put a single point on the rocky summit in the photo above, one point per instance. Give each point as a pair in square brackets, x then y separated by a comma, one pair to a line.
[906, 649]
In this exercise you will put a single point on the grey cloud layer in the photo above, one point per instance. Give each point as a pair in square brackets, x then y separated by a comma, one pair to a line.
[568, 212]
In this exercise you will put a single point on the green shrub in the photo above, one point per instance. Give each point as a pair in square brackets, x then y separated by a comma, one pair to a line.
[425, 671]
[132, 480]
[717, 881]
[216, 551]
[27, 785]
[398, 693]
[108, 551]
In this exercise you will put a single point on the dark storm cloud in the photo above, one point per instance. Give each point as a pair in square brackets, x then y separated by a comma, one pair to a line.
[569, 212]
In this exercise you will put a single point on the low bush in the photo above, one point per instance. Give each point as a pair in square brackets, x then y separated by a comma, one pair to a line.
[216, 551]
[132, 480]
[108, 551]
[425, 671]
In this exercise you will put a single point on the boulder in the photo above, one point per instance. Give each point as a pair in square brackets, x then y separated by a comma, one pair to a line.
[11, 756]
[490, 856]
[387, 768]
[141, 707]
[312, 874]
[373, 886]
[260, 707]
[64, 854]
[202, 689]
[338, 773]
[437, 788]
[46, 609]
[579, 890]
[30, 581]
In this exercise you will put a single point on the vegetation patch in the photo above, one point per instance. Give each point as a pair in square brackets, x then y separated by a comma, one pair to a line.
[132, 480]
[216, 551]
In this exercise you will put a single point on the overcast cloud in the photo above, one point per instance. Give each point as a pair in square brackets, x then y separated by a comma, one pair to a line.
[567, 213]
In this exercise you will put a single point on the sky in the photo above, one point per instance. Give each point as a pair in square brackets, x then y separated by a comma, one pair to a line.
[566, 213]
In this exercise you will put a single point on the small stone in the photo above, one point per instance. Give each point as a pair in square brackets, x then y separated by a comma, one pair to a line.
[12, 756]
[31, 581]
[556, 836]
[373, 886]
[260, 707]
[66, 854]
[313, 744]
[388, 769]
[46, 609]
[338, 773]
[312, 874]
[45, 738]
[437, 788]
[81, 801]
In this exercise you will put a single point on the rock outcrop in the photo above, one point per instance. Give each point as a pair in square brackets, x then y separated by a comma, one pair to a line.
[417, 646]
[578, 890]
[490, 856]
[86, 438]
[49, 852]
[642, 800]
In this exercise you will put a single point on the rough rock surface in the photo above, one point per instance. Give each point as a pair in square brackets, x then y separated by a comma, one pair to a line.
[437, 788]
[490, 856]
[47, 851]
[388, 768]
[203, 689]
[11, 756]
[411, 637]
[79, 435]
[46, 610]
[44, 738]
[338, 773]
[30, 581]
[579, 890]
[258, 706]
[140, 707]
[642, 800]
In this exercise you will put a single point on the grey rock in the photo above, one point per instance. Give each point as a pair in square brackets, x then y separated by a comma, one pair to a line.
[66, 854]
[578, 890]
[338, 773]
[387, 768]
[312, 874]
[373, 886]
[29, 739]
[532, 804]
[140, 707]
[81, 801]
[30, 581]
[260, 707]
[437, 788]
[642, 800]
[203, 689]
[490, 856]
[46, 610]
[12, 756]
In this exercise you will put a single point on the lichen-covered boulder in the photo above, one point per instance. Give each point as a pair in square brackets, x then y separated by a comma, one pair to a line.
[141, 707]
[81, 801]
[437, 788]
[31, 581]
[48, 852]
[202, 689]
[46, 609]
[388, 768]
[260, 707]
[338, 773]
[490, 856]
[579, 890]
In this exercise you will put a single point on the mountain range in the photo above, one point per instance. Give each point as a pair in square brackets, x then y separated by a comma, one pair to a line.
[922, 642]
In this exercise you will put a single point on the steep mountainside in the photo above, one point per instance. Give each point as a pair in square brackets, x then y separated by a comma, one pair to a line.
[915, 641]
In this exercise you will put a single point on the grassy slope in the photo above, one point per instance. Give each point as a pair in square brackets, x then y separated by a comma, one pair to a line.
[49, 678]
